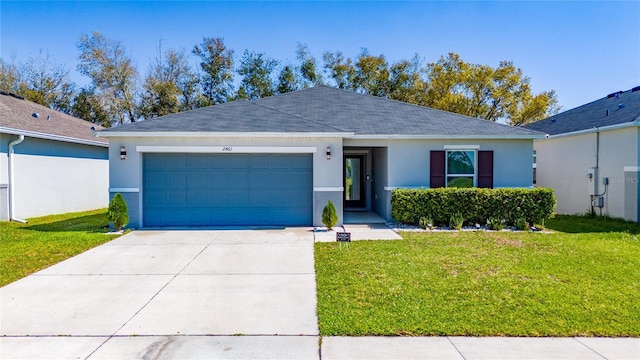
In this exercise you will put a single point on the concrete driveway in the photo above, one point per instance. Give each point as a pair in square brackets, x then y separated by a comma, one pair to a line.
[170, 294]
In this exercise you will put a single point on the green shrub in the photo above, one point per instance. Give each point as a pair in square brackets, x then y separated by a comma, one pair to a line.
[496, 224]
[329, 215]
[456, 221]
[476, 205]
[118, 212]
[521, 224]
[426, 222]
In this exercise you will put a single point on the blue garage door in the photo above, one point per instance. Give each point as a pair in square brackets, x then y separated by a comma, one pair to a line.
[227, 189]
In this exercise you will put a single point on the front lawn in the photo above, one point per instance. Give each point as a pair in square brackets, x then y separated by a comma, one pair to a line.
[44, 241]
[581, 280]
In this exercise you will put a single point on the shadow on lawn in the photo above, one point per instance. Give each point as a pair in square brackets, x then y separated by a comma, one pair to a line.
[96, 223]
[587, 224]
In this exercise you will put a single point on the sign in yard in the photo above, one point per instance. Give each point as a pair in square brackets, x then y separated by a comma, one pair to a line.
[343, 237]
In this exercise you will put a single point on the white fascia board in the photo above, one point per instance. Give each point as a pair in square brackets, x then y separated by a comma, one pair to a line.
[38, 135]
[632, 169]
[124, 190]
[461, 147]
[228, 149]
[594, 130]
[192, 134]
[328, 188]
[447, 137]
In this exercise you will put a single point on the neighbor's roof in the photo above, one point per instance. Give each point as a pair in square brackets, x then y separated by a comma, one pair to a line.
[615, 109]
[17, 117]
[324, 110]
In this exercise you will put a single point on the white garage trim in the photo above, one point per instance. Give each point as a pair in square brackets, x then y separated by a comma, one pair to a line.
[124, 190]
[228, 149]
[328, 188]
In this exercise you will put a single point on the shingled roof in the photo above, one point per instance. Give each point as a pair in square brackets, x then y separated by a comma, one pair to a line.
[324, 109]
[18, 116]
[615, 109]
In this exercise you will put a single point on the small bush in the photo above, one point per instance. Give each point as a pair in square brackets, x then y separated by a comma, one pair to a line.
[329, 215]
[426, 223]
[496, 224]
[522, 224]
[456, 221]
[118, 212]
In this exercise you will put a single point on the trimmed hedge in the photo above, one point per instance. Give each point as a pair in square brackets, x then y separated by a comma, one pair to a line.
[476, 205]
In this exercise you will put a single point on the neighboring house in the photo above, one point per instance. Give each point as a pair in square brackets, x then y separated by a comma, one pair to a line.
[278, 160]
[591, 156]
[50, 162]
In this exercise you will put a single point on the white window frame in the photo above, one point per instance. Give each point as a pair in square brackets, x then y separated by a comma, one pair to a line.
[475, 164]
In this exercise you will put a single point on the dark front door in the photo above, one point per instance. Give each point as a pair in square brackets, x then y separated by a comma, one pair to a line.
[354, 185]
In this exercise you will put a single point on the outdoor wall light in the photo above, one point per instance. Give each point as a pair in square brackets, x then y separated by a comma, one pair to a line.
[123, 153]
[328, 152]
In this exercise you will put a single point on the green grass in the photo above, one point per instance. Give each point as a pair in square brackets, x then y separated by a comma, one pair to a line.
[44, 241]
[581, 280]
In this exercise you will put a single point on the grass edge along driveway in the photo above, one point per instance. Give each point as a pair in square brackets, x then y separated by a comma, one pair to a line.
[581, 280]
[44, 241]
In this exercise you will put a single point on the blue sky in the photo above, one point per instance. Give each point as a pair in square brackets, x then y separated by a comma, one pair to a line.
[583, 50]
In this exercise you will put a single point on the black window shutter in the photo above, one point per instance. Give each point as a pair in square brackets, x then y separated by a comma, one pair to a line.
[485, 169]
[437, 170]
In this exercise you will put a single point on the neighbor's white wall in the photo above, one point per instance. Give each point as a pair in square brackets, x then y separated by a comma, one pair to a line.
[326, 173]
[52, 185]
[563, 164]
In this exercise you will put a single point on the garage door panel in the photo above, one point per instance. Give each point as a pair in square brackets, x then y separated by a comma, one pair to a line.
[175, 198]
[227, 189]
[175, 162]
[198, 162]
[239, 162]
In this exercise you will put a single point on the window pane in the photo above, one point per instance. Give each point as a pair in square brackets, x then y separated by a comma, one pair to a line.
[352, 180]
[460, 162]
[460, 181]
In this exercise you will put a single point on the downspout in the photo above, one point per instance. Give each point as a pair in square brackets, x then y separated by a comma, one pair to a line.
[12, 181]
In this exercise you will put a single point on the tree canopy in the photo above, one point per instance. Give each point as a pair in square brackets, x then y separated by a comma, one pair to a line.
[115, 95]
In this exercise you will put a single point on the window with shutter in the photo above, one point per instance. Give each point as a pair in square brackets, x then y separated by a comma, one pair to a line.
[461, 168]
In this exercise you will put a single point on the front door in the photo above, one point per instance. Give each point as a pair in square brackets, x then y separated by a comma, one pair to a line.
[354, 186]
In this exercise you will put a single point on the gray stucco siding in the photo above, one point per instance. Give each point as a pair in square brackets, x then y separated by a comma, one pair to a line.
[327, 173]
[408, 160]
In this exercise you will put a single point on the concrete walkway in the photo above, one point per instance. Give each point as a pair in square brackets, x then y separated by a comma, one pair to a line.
[234, 294]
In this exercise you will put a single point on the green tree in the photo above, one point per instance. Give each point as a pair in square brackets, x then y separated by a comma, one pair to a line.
[216, 64]
[46, 82]
[9, 76]
[112, 73]
[118, 211]
[309, 73]
[406, 81]
[495, 94]
[340, 70]
[87, 106]
[287, 80]
[169, 86]
[372, 75]
[329, 215]
[39, 79]
[256, 70]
